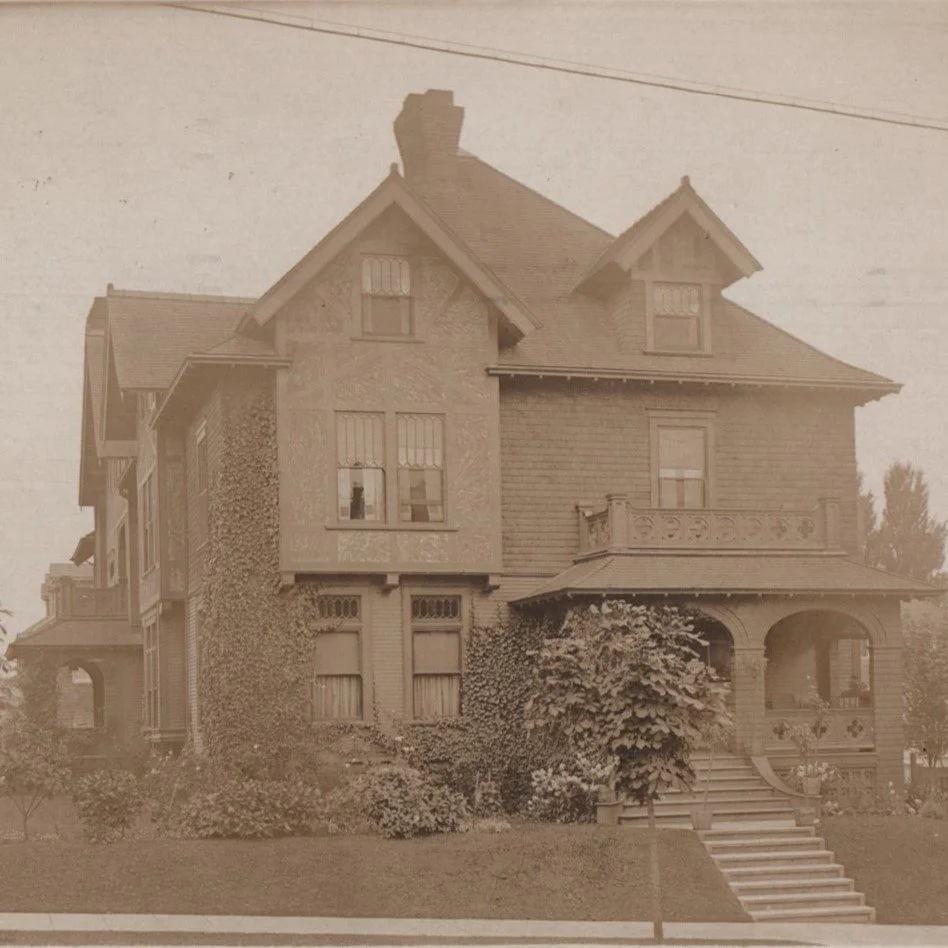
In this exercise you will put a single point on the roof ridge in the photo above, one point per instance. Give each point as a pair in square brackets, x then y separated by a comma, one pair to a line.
[543, 197]
[203, 297]
[810, 346]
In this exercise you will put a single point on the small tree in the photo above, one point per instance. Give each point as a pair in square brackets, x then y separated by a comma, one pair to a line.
[926, 681]
[33, 765]
[624, 683]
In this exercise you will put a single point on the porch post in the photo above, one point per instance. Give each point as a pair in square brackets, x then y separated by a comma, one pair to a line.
[887, 714]
[748, 675]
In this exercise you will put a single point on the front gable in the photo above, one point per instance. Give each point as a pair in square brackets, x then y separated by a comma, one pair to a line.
[514, 319]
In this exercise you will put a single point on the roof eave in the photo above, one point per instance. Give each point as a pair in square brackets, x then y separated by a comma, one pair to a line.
[394, 191]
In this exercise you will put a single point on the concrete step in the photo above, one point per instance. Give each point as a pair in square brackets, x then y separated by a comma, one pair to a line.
[747, 860]
[838, 913]
[730, 814]
[726, 804]
[764, 843]
[755, 791]
[802, 900]
[806, 885]
[768, 872]
[757, 830]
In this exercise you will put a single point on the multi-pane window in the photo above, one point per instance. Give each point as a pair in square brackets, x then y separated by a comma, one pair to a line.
[420, 468]
[151, 674]
[386, 296]
[676, 316]
[682, 466]
[149, 526]
[360, 458]
[436, 626]
[337, 683]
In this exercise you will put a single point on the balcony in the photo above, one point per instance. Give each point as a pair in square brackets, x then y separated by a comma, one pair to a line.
[617, 526]
[79, 600]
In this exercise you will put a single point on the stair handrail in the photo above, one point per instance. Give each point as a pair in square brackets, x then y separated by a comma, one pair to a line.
[766, 771]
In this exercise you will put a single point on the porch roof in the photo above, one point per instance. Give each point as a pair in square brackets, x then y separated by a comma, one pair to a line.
[59, 632]
[620, 573]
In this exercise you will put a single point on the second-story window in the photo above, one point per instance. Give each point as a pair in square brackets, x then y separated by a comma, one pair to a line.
[386, 296]
[677, 311]
[682, 466]
[420, 468]
[149, 526]
[360, 457]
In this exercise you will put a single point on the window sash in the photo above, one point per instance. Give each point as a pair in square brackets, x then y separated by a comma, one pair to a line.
[420, 440]
[682, 467]
[386, 296]
[677, 310]
[360, 457]
[337, 698]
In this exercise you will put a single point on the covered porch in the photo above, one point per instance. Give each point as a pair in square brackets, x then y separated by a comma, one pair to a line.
[779, 629]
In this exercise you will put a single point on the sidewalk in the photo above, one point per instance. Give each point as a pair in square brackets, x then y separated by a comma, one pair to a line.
[468, 929]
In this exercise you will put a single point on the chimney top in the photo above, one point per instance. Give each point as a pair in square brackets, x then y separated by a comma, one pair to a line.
[428, 130]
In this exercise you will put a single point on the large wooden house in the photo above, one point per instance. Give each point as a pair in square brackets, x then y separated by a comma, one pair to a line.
[485, 402]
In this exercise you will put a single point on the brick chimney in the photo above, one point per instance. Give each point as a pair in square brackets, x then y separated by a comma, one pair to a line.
[428, 130]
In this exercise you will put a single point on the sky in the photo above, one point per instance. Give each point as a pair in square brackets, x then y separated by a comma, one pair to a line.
[162, 149]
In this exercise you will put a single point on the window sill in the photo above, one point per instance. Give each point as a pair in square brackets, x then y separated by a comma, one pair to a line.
[690, 353]
[371, 338]
[390, 527]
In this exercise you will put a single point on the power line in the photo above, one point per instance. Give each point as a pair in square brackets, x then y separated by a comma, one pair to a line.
[514, 58]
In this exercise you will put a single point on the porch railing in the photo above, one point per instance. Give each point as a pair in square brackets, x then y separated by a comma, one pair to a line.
[852, 728]
[80, 600]
[617, 525]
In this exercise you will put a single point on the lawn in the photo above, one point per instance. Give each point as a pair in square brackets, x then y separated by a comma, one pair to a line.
[532, 871]
[899, 862]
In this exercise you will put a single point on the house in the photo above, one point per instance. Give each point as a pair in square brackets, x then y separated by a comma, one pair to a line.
[483, 402]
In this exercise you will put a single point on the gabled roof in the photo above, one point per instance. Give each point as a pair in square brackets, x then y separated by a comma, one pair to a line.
[394, 192]
[543, 252]
[633, 242]
[618, 574]
[150, 334]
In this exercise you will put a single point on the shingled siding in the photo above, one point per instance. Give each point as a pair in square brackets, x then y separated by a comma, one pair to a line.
[565, 443]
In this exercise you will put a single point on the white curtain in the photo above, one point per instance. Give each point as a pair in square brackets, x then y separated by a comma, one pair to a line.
[337, 698]
[437, 696]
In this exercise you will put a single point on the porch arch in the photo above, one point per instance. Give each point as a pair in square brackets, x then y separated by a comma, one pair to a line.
[80, 695]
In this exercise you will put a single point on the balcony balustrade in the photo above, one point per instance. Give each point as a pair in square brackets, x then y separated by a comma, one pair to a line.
[617, 526]
[79, 600]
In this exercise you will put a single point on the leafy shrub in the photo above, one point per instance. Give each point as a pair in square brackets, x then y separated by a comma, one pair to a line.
[935, 807]
[107, 802]
[568, 793]
[401, 802]
[251, 809]
[828, 774]
[344, 811]
[169, 782]
[33, 764]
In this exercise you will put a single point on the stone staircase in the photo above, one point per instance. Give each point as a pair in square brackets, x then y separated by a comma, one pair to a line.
[779, 871]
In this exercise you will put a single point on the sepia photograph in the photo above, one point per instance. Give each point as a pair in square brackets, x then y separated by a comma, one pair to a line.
[474, 473]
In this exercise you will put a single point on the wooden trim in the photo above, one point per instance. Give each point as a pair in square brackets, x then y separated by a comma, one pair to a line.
[667, 418]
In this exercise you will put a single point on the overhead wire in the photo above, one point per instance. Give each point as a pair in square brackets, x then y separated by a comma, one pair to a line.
[568, 67]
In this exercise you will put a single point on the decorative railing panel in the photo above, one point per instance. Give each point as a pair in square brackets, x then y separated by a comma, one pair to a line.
[618, 526]
[79, 600]
[842, 728]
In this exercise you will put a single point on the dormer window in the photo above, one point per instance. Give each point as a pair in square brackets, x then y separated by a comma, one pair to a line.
[386, 296]
[678, 317]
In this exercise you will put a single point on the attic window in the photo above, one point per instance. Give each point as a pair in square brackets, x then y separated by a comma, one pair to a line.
[386, 296]
[678, 320]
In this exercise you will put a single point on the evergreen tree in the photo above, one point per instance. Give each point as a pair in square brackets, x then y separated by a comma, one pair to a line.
[909, 541]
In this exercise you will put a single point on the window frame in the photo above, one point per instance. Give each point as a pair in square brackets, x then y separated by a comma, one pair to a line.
[440, 418]
[151, 675]
[361, 259]
[148, 519]
[665, 418]
[365, 653]
[409, 627]
[703, 319]
[383, 518]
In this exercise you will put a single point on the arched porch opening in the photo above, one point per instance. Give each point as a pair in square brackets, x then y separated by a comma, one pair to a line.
[80, 696]
[717, 652]
[822, 654]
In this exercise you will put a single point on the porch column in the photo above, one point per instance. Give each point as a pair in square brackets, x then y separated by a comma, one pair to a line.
[887, 712]
[747, 675]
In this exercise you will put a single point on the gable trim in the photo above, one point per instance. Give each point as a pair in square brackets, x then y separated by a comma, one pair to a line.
[628, 247]
[394, 191]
